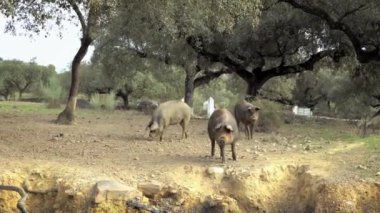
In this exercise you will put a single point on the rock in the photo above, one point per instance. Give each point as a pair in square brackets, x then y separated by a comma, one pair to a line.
[136, 158]
[39, 184]
[215, 171]
[377, 173]
[361, 167]
[106, 190]
[307, 148]
[150, 189]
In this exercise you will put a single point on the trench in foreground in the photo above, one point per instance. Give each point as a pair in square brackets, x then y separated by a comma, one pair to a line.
[287, 188]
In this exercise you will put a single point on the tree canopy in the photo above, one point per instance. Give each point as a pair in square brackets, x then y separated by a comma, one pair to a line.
[139, 43]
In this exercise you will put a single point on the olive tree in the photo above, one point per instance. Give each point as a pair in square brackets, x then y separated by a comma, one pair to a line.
[39, 16]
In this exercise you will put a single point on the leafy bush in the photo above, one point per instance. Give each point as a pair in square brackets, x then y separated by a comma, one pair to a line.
[103, 101]
[52, 92]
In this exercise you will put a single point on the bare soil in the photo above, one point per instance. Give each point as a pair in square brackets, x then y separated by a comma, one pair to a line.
[295, 165]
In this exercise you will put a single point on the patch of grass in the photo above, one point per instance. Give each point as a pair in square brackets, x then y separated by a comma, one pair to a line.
[331, 131]
[372, 142]
[15, 107]
[26, 107]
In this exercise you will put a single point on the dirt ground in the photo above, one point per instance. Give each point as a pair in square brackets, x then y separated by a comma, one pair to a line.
[115, 145]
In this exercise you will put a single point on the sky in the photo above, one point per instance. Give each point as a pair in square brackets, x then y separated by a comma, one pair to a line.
[51, 50]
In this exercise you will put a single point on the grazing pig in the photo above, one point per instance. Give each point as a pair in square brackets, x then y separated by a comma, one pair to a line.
[169, 113]
[248, 115]
[223, 129]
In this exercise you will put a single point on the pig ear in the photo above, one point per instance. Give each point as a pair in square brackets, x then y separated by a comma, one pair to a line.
[229, 127]
[218, 126]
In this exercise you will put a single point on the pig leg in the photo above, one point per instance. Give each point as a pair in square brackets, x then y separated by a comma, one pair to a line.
[238, 124]
[233, 151]
[161, 133]
[246, 131]
[250, 130]
[184, 132]
[221, 146]
[212, 148]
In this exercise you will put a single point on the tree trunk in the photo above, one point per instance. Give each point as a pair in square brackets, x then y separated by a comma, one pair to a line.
[189, 86]
[67, 115]
[253, 86]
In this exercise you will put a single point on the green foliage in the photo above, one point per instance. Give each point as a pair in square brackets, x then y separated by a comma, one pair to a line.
[22, 77]
[92, 78]
[52, 93]
[220, 91]
[103, 101]
[279, 89]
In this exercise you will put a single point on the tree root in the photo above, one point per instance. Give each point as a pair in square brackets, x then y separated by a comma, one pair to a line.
[21, 201]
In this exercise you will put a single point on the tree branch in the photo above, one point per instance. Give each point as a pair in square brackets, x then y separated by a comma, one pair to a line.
[210, 76]
[80, 17]
[351, 12]
[364, 56]
[297, 68]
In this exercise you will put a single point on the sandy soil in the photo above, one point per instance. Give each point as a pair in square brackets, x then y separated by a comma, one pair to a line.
[116, 145]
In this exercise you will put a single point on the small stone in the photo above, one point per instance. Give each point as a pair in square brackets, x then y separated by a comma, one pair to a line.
[307, 148]
[294, 146]
[150, 189]
[361, 167]
[136, 158]
[215, 170]
[112, 190]
[377, 173]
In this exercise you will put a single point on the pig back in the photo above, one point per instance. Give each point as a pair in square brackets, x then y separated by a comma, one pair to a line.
[242, 113]
[222, 117]
[173, 112]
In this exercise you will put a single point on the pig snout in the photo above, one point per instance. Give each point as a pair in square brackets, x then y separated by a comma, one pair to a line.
[253, 112]
[225, 138]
